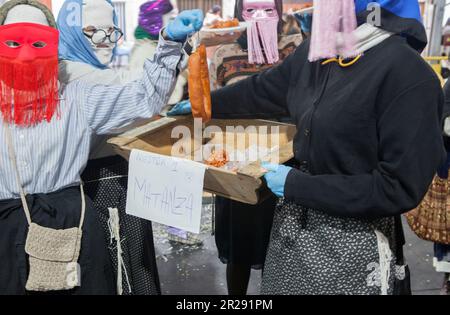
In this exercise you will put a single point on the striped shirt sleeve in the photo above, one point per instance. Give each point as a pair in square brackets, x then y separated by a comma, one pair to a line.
[110, 108]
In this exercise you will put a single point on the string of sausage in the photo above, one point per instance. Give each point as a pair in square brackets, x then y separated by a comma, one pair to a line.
[226, 24]
[199, 85]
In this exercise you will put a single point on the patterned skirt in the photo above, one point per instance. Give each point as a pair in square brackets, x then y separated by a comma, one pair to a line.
[106, 184]
[312, 253]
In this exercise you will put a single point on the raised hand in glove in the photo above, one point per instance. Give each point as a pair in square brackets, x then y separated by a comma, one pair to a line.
[185, 24]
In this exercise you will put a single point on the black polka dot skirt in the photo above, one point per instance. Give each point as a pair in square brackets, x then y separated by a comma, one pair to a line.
[312, 253]
[106, 184]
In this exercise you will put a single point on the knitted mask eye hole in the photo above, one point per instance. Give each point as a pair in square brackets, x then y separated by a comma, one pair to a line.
[269, 11]
[12, 44]
[39, 44]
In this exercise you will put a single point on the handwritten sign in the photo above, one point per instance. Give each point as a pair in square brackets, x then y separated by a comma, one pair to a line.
[166, 190]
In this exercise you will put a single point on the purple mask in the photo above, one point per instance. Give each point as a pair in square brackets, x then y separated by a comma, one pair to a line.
[151, 15]
[262, 33]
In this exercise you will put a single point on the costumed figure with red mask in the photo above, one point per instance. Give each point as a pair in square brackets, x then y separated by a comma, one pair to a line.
[368, 112]
[50, 236]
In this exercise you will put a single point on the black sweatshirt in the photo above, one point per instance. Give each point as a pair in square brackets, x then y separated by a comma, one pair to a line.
[369, 137]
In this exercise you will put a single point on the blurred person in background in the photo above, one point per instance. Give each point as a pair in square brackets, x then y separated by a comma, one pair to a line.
[153, 16]
[214, 15]
[441, 260]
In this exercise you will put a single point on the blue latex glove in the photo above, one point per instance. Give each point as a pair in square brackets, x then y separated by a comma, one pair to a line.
[276, 177]
[185, 24]
[182, 108]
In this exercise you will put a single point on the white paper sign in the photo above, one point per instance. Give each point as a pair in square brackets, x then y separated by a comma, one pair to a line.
[166, 190]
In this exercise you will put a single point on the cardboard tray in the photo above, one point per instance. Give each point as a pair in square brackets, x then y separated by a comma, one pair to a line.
[245, 185]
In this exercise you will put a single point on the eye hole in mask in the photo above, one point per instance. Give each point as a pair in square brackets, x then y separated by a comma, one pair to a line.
[39, 44]
[12, 44]
[252, 10]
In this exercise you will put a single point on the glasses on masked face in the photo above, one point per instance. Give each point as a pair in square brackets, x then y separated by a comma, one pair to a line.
[99, 36]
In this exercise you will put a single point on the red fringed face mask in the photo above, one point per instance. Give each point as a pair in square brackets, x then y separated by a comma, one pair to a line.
[28, 73]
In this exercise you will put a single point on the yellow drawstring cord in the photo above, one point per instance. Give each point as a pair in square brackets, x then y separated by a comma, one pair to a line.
[341, 61]
[330, 61]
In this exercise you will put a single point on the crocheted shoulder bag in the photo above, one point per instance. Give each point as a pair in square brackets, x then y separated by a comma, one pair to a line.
[53, 254]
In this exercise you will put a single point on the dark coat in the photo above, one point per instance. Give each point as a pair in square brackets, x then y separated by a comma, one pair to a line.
[369, 137]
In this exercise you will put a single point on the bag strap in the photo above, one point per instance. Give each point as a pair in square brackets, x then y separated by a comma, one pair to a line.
[83, 205]
[13, 159]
